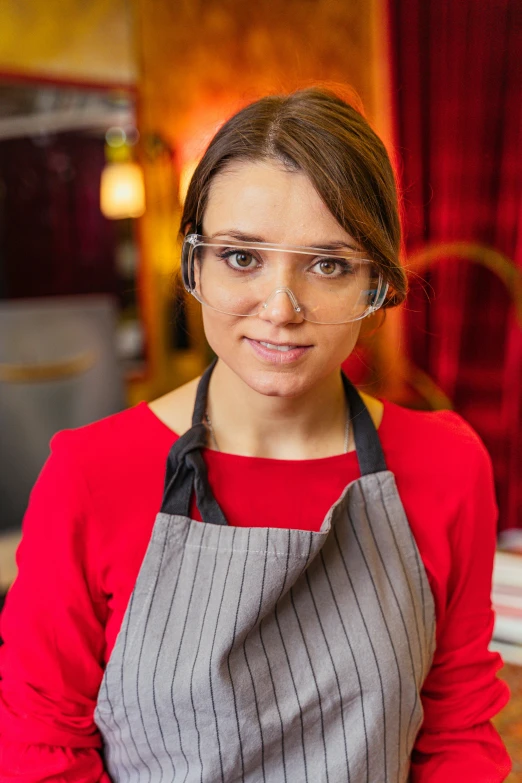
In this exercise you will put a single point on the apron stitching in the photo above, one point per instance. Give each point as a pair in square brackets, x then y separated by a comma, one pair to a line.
[250, 670]
[288, 664]
[195, 662]
[408, 641]
[292, 600]
[248, 551]
[361, 692]
[228, 663]
[171, 758]
[414, 605]
[210, 663]
[152, 594]
[177, 661]
[335, 673]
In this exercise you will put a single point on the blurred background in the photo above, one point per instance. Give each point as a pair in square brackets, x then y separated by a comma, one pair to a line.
[105, 109]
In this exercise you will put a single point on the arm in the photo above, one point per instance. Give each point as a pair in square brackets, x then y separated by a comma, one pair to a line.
[462, 693]
[52, 626]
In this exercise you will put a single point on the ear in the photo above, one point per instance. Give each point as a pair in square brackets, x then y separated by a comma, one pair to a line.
[187, 274]
[376, 296]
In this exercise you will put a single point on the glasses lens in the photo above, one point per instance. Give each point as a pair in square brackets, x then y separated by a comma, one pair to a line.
[227, 279]
[240, 279]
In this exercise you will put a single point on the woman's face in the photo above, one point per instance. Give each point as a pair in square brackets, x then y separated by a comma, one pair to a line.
[267, 201]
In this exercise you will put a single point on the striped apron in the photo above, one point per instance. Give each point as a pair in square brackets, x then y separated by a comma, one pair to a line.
[266, 654]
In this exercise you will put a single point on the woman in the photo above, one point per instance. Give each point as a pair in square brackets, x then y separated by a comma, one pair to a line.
[312, 601]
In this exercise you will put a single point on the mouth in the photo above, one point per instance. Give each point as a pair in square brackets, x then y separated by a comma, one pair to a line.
[279, 353]
[280, 346]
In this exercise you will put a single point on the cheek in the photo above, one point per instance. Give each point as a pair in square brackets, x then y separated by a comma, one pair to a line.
[219, 330]
[339, 341]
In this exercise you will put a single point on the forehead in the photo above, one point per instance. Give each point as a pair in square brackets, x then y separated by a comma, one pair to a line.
[267, 200]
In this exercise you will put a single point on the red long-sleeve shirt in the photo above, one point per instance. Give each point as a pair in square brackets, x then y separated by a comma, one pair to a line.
[85, 534]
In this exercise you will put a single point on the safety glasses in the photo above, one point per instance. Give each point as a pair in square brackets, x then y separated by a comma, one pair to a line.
[244, 278]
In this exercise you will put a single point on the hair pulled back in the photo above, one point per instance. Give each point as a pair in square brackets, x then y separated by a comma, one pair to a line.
[315, 132]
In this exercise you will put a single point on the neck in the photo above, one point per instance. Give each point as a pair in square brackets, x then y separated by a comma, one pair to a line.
[248, 423]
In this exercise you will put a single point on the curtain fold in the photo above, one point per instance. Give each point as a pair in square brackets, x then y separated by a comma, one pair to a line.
[54, 239]
[457, 95]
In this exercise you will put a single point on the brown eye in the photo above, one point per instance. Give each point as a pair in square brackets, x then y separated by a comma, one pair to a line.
[327, 267]
[243, 259]
[239, 259]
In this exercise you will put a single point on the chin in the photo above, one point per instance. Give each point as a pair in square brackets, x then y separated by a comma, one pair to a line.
[284, 382]
[273, 384]
[279, 380]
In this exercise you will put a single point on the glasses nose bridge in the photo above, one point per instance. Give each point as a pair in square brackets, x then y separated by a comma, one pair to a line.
[283, 290]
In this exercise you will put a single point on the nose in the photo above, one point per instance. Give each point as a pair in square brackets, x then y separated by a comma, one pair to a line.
[281, 308]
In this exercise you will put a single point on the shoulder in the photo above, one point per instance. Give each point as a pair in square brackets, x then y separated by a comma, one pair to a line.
[102, 438]
[102, 484]
[440, 444]
[126, 447]
[445, 480]
[80, 485]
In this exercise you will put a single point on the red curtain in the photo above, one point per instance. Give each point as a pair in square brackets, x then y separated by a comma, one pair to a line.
[54, 239]
[457, 92]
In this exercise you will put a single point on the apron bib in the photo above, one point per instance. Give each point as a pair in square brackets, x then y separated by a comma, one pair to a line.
[266, 654]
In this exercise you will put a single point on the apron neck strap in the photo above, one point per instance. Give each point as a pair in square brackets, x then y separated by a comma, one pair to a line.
[186, 470]
[200, 405]
[367, 442]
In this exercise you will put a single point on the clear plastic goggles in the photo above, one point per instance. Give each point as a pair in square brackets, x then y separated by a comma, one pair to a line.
[243, 278]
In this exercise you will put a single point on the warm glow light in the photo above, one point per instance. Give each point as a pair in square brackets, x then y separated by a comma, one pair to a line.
[187, 170]
[199, 128]
[122, 193]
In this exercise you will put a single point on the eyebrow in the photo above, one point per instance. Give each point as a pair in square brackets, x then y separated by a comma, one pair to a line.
[252, 238]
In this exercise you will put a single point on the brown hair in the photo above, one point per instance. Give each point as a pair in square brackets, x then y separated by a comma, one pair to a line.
[315, 131]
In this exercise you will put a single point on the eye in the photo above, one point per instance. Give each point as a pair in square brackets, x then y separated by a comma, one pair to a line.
[331, 267]
[239, 259]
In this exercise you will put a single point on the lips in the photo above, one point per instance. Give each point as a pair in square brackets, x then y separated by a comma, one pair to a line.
[277, 353]
[279, 342]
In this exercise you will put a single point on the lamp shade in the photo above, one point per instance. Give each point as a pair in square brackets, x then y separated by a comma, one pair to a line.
[122, 192]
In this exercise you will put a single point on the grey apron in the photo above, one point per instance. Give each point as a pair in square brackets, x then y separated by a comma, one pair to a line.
[266, 654]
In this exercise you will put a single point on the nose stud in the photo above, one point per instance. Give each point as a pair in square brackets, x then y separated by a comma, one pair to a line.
[295, 303]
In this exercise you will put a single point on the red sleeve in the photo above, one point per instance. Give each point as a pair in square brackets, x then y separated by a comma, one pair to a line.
[52, 625]
[461, 694]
